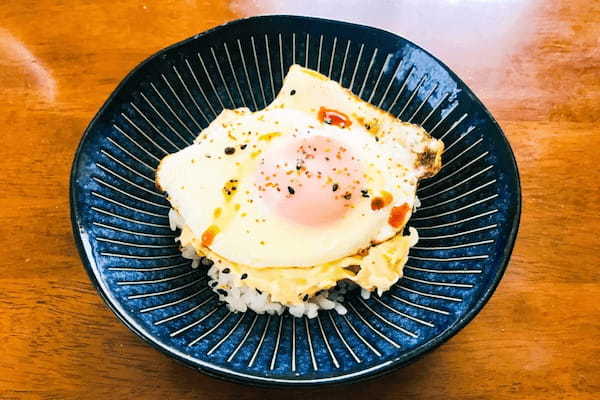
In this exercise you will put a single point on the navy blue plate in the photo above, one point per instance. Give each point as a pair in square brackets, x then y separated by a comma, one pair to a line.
[467, 222]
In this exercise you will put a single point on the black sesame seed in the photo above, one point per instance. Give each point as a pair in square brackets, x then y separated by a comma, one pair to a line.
[243, 146]
[226, 270]
[305, 297]
[213, 284]
[335, 187]
[244, 276]
[258, 291]
[229, 150]
[365, 193]
[405, 230]
[206, 262]
[293, 92]
[376, 139]
[222, 292]
[291, 190]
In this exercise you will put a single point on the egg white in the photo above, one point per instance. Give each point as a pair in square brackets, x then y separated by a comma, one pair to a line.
[392, 154]
[249, 232]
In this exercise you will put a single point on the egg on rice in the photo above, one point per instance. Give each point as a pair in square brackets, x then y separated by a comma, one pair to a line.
[292, 205]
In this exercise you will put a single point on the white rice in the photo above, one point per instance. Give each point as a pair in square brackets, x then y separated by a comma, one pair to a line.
[242, 298]
[365, 294]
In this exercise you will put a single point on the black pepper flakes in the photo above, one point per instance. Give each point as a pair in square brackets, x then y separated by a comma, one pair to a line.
[335, 187]
[305, 297]
[291, 190]
[376, 138]
[226, 271]
[243, 146]
[293, 92]
[365, 193]
[244, 276]
[206, 262]
[355, 269]
[347, 195]
[222, 292]
[229, 150]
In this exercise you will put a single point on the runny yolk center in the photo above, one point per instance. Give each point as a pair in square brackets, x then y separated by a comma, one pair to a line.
[310, 181]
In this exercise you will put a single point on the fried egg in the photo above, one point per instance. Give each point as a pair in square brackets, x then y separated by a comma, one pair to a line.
[314, 189]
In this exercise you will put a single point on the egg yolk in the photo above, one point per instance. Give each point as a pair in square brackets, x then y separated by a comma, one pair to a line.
[310, 181]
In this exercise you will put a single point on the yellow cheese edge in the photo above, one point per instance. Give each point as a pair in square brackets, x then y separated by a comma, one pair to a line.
[380, 268]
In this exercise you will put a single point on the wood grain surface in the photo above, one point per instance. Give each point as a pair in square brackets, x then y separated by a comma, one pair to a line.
[534, 63]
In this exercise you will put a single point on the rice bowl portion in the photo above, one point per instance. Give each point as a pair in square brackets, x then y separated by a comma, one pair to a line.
[240, 297]
[292, 206]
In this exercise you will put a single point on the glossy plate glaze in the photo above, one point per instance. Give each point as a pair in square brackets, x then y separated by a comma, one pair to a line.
[467, 222]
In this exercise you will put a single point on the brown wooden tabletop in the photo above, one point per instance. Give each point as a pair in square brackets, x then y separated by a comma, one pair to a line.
[534, 63]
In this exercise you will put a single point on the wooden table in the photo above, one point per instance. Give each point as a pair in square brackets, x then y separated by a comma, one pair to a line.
[535, 64]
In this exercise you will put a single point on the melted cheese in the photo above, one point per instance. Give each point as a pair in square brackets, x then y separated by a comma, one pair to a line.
[380, 268]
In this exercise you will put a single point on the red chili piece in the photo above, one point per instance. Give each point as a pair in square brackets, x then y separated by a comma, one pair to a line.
[398, 215]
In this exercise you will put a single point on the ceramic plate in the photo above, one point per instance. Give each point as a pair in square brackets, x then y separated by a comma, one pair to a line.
[467, 222]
